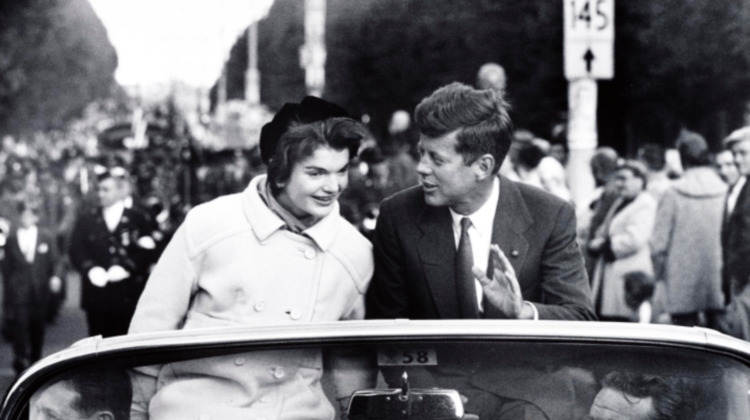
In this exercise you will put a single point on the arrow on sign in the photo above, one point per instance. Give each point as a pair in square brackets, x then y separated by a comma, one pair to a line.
[588, 57]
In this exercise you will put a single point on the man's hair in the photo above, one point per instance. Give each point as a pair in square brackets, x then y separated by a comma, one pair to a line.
[302, 140]
[104, 390]
[530, 155]
[30, 205]
[639, 287]
[479, 116]
[604, 164]
[693, 150]
[672, 399]
[653, 156]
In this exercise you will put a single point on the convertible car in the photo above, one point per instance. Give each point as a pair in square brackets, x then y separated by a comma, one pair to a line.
[398, 369]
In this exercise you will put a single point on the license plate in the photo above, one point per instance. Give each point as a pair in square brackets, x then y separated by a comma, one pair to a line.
[399, 356]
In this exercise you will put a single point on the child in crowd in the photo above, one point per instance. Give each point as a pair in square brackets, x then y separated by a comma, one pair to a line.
[639, 289]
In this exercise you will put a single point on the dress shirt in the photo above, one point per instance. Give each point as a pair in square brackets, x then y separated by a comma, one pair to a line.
[113, 214]
[734, 194]
[480, 234]
[27, 242]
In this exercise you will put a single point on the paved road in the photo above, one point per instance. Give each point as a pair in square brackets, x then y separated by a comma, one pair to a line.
[69, 327]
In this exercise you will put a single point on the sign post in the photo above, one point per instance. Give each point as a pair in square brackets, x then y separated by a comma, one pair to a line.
[589, 55]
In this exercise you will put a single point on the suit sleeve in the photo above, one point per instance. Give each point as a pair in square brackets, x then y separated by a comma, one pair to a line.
[166, 298]
[387, 297]
[566, 294]
[77, 250]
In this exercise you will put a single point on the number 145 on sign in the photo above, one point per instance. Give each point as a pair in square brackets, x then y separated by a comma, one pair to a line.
[590, 19]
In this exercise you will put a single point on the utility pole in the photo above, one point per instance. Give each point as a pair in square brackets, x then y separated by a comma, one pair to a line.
[313, 52]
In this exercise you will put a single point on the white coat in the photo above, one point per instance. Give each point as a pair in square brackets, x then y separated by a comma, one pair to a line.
[629, 233]
[232, 263]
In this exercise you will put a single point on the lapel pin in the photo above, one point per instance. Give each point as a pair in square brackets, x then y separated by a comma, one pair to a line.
[514, 253]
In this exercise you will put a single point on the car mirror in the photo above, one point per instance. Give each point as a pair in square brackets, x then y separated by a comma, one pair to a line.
[405, 403]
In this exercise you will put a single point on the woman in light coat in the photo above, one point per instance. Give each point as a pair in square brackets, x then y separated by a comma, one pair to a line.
[686, 243]
[622, 242]
[277, 253]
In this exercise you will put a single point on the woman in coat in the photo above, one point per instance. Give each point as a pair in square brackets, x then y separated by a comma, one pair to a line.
[277, 253]
[686, 243]
[622, 242]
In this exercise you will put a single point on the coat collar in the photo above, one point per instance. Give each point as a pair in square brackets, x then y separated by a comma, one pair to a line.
[265, 222]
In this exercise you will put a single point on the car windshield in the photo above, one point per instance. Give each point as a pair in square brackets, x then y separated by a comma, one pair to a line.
[405, 379]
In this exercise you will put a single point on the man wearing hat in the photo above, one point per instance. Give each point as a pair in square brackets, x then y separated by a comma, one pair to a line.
[685, 244]
[110, 247]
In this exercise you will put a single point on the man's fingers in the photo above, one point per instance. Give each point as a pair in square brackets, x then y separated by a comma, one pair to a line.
[480, 275]
[501, 259]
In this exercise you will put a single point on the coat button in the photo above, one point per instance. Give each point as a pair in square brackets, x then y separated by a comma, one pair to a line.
[279, 373]
[514, 253]
[260, 306]
[240, 361]
[309, 253]
[295, 314]
[112, 250]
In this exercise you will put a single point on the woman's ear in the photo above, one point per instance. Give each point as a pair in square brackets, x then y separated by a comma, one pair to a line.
[484, 166]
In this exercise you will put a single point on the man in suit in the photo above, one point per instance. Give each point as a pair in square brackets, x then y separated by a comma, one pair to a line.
[111, 248]
[735, 233]
[516, 256]
[29, 265]
[468, 243]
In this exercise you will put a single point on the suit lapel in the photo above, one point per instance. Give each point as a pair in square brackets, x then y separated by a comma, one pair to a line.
[512, 219]
[437, 251]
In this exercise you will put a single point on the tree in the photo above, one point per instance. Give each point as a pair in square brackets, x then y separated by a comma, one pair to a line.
[55, 59]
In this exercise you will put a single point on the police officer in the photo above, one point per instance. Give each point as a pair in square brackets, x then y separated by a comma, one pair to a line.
[111, 246]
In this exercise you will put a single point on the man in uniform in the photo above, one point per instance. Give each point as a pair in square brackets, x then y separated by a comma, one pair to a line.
[110, 247]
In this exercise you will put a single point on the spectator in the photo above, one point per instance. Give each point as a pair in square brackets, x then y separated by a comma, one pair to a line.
[621, 242]
[653, 156]
[110, 248]
[726, 168]
[686, 242]
[30, 267]
[639, 289]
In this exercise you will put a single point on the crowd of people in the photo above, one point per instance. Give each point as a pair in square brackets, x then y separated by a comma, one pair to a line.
[418, 225]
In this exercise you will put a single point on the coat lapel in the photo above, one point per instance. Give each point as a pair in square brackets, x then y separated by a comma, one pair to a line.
[512, 219]
[438, 254]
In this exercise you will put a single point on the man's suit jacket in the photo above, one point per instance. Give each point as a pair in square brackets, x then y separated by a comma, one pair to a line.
[92, 245]
[415, 256]
[735, 243]
[28, 283]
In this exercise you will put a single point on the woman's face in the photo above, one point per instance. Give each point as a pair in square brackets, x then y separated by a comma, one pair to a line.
[628, 185]
[315, 184]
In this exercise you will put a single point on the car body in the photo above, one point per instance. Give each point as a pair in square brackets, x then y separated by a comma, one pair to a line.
[555, 367]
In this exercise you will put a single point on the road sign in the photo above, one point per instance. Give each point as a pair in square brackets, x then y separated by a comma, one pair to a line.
[589, 38]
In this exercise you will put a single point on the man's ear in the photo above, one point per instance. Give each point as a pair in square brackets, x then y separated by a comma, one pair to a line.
[483, 166]
[105, 415]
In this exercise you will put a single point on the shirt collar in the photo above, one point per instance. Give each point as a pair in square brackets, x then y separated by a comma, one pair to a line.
[265, 222]
[484, 218]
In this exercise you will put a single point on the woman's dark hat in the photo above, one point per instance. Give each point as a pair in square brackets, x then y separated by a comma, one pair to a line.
[310, 110]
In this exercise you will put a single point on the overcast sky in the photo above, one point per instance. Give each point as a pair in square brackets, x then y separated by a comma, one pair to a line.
[162, 40]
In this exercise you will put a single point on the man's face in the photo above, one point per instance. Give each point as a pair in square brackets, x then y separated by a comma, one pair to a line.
[28, 218]
[55, 403]
[108, 192]
[727, 168]
[446, 179]
[611, 404]
[741, 152]
[315, 184]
